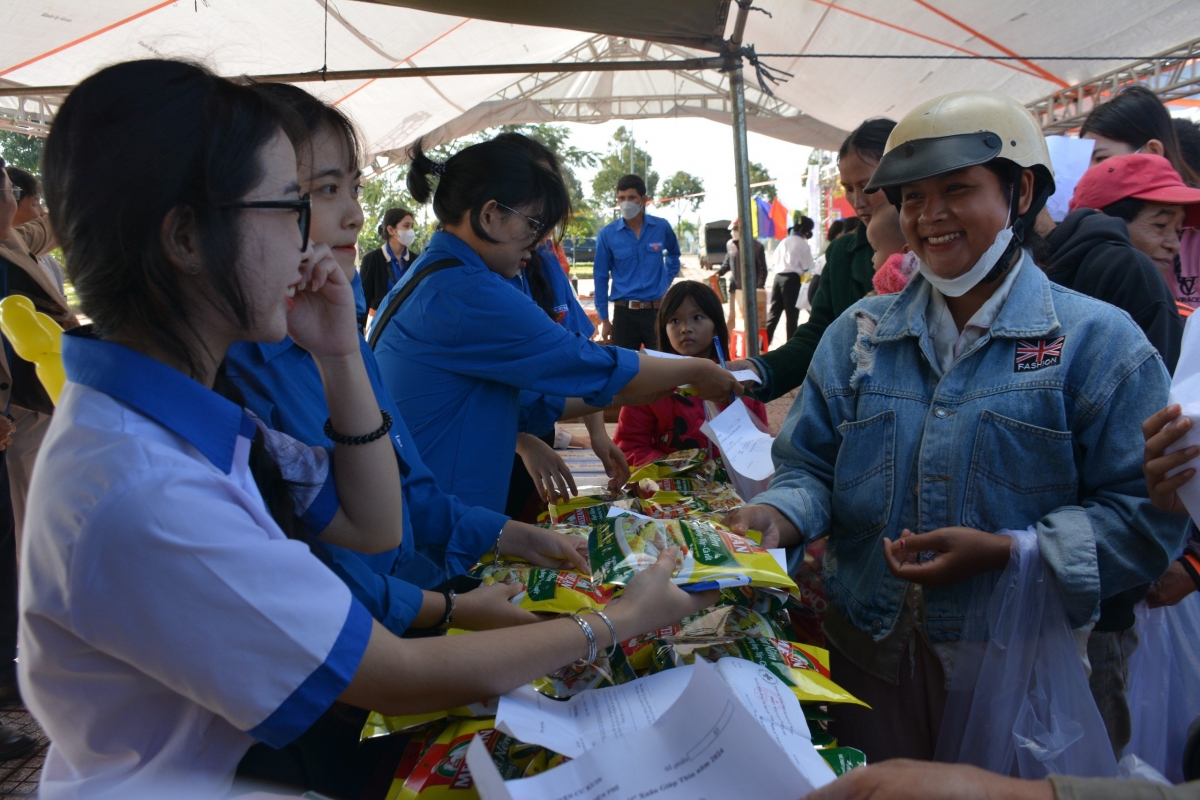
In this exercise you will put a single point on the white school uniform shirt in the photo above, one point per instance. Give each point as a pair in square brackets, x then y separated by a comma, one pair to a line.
[166, 621]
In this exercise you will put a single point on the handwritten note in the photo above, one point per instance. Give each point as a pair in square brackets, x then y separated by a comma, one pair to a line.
[744, 447]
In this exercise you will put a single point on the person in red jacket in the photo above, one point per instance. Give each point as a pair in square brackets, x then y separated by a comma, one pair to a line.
[688, 320]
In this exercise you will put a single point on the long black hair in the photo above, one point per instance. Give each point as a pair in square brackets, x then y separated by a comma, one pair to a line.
[1135, 116]
[511, 169]
[868, 140]
[705, 299]
[131, 144]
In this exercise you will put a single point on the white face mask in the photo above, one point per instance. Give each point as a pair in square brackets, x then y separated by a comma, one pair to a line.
[957, 287]
[630, 209]
[406, 237]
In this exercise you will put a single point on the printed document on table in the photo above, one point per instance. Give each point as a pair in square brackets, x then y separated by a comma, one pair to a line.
[744, 447]
[706, 744]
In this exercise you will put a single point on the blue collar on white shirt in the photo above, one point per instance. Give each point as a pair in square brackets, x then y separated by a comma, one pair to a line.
[208, 421]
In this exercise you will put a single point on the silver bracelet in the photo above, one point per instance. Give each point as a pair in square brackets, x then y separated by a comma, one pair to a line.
[607, 622]
[496, 548]
[591, 637]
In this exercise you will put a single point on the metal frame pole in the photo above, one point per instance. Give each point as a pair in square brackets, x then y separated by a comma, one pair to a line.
[741, 168]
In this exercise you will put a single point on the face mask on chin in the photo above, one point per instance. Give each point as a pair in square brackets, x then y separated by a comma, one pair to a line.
[957, 287]
[630, 209]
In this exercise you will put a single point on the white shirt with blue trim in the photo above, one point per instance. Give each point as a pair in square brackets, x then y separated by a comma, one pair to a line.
[166, 621]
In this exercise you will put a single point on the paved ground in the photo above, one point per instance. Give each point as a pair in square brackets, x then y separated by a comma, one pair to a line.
[19, 776]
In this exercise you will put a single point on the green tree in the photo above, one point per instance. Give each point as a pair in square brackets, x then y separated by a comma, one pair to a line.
[571, 158]
[758, 174]
[22, 150]
[679, 186]
[682, 184]
[623, 158]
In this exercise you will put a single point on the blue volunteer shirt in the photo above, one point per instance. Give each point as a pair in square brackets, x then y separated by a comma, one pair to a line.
[458, 353]
[641, 267]
[443, 537]
[539, 412]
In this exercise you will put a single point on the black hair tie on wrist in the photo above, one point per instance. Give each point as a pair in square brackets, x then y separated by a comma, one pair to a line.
[366, 438]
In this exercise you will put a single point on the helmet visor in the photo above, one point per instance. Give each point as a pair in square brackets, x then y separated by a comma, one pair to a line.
[923, 158]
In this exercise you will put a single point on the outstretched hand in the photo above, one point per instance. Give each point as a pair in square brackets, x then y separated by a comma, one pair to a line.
[776, 529]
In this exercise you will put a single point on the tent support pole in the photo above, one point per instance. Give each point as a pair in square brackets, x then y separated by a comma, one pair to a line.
[741, 171]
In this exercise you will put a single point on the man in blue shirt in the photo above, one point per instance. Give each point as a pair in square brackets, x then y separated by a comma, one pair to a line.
[641, 254]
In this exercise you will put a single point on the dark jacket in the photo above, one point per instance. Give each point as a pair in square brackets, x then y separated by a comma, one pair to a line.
[376, 271]
[845, 280]
[1091, 253]
[732, 264]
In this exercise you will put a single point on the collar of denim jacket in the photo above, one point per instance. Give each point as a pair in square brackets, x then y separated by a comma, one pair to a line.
[1028, 311]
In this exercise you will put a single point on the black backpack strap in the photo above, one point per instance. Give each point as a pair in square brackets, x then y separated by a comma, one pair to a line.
[384, 315]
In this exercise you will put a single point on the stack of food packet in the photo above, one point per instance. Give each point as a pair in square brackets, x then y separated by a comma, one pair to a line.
[678, 501]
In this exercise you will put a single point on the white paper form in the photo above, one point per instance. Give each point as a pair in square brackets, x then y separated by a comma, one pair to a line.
[1185, 390]
[603, 715]
[706, 744]
[744, 446]
[745, 376]
[1070, 159]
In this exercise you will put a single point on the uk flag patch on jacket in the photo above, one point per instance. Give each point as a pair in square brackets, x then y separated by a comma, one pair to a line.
[1035, 354]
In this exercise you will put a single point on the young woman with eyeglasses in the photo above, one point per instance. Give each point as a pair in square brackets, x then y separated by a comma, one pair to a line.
[168, 619]
[457, 343]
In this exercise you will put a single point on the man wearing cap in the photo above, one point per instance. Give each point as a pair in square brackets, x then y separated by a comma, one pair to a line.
[641, 254]
[1145, 191]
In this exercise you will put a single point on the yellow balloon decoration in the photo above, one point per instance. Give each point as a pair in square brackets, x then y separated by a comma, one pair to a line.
[36, 338]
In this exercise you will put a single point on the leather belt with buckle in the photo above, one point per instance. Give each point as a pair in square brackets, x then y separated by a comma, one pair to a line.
[638, 305]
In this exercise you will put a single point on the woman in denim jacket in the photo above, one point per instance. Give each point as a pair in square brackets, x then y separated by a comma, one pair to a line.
[981, 398]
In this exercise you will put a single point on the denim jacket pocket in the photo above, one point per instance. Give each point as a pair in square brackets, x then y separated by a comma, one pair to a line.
[1019, 473]
[864, 477]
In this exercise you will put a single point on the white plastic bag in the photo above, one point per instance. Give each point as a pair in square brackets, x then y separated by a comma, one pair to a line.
[1019, 701]
[1164, 683]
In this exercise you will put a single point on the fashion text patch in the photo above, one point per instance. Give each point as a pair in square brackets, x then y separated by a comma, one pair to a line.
[1037, 353]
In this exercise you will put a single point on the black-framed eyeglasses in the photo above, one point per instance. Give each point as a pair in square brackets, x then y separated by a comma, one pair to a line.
[302, 207]
[17, 193]
[535, 227]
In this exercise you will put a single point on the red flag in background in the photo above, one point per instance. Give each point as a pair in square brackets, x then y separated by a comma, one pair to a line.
[779, 215]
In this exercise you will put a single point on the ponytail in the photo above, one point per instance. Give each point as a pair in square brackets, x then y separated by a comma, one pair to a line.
[513, 170]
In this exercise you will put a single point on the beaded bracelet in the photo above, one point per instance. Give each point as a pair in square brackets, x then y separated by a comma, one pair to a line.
[450, 596]
[607, 622]
[593, 651]
[366, 438]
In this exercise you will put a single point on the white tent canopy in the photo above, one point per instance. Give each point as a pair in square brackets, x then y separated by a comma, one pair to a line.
[59, 42]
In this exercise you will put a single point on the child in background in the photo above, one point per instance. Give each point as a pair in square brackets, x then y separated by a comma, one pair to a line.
[893, 261]
[688, 320]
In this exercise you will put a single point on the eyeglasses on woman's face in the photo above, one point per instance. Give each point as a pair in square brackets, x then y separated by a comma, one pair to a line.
[302, 207]
[535, 227]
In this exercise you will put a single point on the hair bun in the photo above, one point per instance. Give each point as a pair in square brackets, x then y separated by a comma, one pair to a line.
[437, 168]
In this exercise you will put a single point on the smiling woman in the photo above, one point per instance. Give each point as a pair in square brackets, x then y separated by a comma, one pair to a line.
[967, 404]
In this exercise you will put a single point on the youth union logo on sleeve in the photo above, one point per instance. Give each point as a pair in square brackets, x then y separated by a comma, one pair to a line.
[1036, 354]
